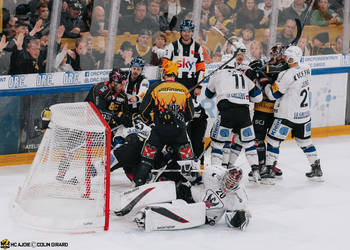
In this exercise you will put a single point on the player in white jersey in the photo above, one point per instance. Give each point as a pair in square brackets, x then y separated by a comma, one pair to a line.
[221, 195]
[234, 91]
[292, 112]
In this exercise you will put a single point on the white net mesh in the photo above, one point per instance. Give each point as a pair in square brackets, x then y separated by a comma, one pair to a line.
[66, 187]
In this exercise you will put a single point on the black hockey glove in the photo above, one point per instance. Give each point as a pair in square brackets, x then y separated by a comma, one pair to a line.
[237, 218]
[256, 64]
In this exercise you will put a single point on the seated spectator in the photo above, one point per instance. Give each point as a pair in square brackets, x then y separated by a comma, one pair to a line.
[250, 14]
[158, 51]
[157, 22]
[71, 20]
[297, 10]
[305, 46]
[127, 7]
[172, 7]
[324, 16]
[256, 51]
[8, 26]
[98, 24]
[247, 37]
[321, 45]
[26, 59]
[284, 4]
[286, 35]
[266, 7]
[86, 17]
[134, 23]
[123, 58]
[338, 46]
[61, 64]
[206, 13]
[222, 19]
[142, 47]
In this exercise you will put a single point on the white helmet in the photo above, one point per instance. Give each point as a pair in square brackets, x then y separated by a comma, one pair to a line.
[240, 47]
[293, 52]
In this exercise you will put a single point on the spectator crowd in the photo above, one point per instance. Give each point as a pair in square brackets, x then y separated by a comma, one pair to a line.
[26, 24]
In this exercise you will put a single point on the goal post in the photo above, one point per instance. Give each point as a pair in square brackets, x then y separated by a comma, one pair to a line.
[68, 185]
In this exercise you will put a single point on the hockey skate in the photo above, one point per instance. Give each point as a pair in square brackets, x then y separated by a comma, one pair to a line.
[267, 174]
[254, 174]
[139, 219]
[316, 173]
[278, 172]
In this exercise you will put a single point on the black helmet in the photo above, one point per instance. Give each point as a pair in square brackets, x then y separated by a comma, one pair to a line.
[187, 25]
[277, 50]
[137, 62]
[117, 76]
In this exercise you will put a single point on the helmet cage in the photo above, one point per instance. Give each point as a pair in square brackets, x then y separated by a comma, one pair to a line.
[231, 179]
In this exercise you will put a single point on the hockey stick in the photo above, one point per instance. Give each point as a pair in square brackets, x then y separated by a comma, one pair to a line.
[300, 26]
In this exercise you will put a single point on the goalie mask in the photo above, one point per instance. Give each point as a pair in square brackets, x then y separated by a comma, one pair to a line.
[231, 179]
[277, 50]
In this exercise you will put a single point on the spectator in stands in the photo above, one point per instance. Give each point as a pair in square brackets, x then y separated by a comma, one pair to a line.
[43, 14]
[265, 41]
[324, 16]
[158, 51]
[98, 24]
[5, 56]
[26, 58]
[250, 13]
[127, 7]
[71, 20]
[8, 27]
[157, 22]
[142, 47]
[206, 13]
[338, 46]
[87, 18]
[222, 19]
[132, 24]
[284, 4]
[217, 57]
[247, 37]
[172, 7]
[256, 51]
[321, 45]
[297, 10]
[61, 64]
[93, 58]
[305, 46]
[74, 58]
[338, 7]
[266, 7]
[286, 36]
[123, 58]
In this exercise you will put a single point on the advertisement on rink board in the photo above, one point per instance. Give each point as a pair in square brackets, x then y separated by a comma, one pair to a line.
[21, 132]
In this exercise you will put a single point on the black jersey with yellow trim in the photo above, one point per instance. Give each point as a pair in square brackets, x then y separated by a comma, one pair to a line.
[167, 98]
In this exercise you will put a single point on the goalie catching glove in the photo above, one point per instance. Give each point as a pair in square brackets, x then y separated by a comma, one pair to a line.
[237, 218]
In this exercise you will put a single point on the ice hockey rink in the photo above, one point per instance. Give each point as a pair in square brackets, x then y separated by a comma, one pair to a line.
[294, 214]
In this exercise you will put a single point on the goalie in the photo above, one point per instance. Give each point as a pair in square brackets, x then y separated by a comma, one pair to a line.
[154, 207]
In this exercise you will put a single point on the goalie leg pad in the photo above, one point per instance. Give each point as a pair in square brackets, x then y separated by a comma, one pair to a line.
[173, 216]
[237, 218]
[131, 201]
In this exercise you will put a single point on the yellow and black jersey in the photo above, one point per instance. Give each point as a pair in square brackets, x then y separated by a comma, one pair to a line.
[270, 76]
[170, 102]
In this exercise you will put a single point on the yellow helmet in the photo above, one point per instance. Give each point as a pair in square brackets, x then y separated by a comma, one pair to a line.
[170, 67]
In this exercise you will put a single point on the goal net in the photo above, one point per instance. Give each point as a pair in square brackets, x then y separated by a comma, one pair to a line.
[67, 188]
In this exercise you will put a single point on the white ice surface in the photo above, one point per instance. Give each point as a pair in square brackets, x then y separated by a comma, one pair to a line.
[295, 214]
